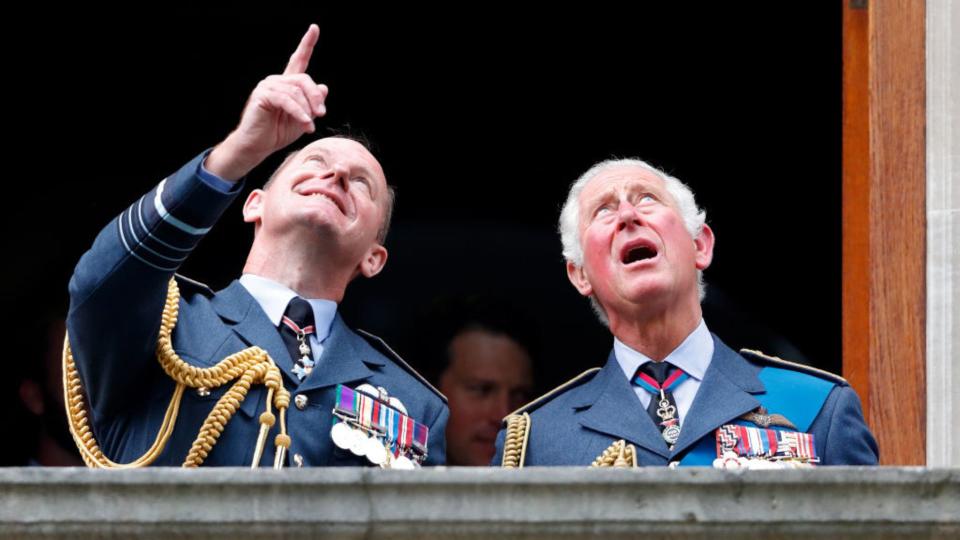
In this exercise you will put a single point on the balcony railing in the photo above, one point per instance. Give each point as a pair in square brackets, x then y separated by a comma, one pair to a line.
[480, 503]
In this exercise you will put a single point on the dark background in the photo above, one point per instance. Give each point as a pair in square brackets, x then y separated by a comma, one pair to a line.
[481, 119]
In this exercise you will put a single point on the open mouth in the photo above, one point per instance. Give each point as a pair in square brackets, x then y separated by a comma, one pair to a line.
[638, 251]
[323, 195]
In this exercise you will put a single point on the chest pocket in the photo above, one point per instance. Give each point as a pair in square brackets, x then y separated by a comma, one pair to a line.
[237, 439]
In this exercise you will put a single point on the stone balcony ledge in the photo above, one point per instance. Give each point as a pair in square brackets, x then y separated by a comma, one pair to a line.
[847, 502]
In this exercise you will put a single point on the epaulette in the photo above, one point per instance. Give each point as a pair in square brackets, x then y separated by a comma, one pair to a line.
[572, 383]
[193, 284]
[385, 349]
[781, 363]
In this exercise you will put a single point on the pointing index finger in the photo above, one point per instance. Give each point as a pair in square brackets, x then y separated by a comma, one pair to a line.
[301, 57]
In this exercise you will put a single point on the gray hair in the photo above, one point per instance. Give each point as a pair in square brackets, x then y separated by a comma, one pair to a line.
[569, 227]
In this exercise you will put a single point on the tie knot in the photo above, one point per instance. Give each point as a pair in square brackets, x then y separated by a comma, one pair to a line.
[299, 311]
[659, 371]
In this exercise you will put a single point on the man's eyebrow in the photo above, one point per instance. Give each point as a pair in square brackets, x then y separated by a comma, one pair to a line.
[600, 197]
[323, 151]
[479, 379]
[648, 184]
[365, 171]
[371, 181]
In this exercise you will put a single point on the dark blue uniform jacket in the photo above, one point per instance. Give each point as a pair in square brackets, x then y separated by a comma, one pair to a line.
[117, 294]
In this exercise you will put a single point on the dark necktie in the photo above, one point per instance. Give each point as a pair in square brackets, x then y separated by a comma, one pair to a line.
[295, 329]
[660, 378]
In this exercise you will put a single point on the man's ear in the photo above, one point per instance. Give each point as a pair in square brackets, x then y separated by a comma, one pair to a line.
[253, 206]
[374, 261]
[578, 278]
[704, 244]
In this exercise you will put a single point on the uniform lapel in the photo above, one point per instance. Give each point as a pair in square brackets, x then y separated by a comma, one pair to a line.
[615, 410]
[345, 358]
[235, 305]
[725, 393]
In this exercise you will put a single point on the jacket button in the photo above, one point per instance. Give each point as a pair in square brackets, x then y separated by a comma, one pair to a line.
[301, 401]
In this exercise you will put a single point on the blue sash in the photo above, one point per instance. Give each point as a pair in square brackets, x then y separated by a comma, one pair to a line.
[795, 395]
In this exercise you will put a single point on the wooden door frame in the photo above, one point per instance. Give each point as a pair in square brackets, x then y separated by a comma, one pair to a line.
[884, 220]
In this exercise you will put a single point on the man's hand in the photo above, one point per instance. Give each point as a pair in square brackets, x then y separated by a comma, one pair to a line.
[280, 109]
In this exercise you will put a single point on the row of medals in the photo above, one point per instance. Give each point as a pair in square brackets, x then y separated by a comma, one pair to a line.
[347, 435]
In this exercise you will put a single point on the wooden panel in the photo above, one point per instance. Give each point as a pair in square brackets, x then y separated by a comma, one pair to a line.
[884, 221]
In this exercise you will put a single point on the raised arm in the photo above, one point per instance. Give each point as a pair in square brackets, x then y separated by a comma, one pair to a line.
[280, 110]
[118, 287]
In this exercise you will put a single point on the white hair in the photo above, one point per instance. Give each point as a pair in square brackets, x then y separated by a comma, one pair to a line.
[693, 216]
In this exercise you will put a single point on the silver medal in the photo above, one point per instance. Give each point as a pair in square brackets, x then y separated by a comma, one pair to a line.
[396, 404]
[342, 435]
[358, 445]
[671, 434]
[376, 453]
[666, 410]
[367, 389]
[403, 463]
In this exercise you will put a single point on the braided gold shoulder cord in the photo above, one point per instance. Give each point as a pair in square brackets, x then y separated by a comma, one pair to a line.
[619, 455]
[515, 441]
[249, 366]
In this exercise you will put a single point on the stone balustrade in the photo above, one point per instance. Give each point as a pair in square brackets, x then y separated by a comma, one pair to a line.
[480, 503]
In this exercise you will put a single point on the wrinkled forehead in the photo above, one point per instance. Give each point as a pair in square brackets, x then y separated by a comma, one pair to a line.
[621, 177]
[351, 151]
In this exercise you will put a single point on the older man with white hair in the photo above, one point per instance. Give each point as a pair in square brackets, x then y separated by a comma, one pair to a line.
[636, 244]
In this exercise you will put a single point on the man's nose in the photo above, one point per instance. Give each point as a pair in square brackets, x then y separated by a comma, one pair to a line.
[340, 175]
[500, 406]
[627, 215]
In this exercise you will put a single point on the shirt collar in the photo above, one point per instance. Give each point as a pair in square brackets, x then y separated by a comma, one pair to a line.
[692, 356]
[274, 297]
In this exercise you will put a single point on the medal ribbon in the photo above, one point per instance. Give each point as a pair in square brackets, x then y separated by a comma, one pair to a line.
[651, 385]
[402, 432]
[305, 331]
[748, 441]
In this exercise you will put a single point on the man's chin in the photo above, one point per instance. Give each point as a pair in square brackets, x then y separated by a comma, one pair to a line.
[328, 220]
[482, 452]
[324, 228]
[643, 289]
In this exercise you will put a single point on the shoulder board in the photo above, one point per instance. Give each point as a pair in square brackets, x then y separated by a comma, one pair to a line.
[193, 284]
[385, 349]
[572, 383]
[786, 364]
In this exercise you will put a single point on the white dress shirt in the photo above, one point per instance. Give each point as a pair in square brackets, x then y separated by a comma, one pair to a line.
[692, 356]
[273, 299]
